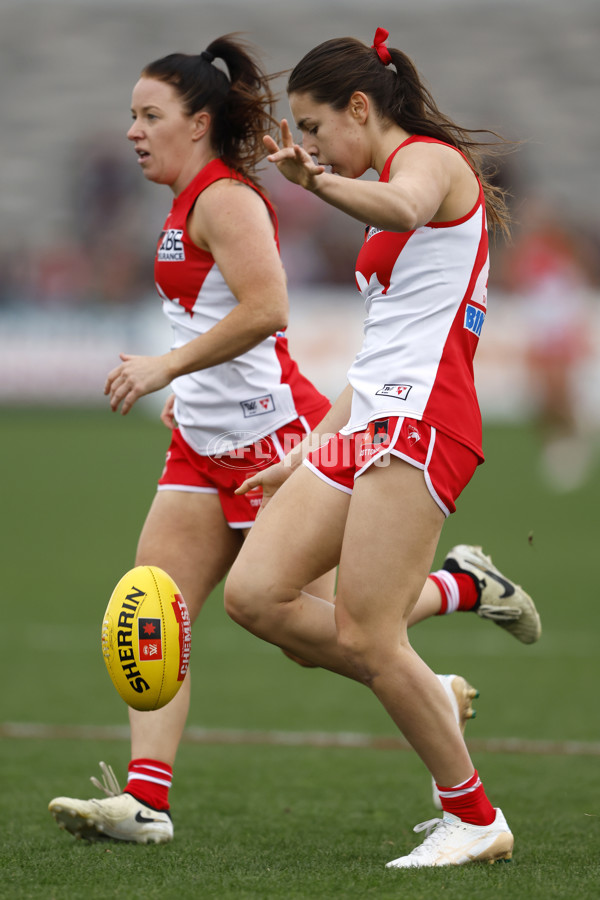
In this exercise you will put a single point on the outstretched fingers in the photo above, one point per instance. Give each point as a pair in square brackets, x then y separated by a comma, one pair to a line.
[286, 134]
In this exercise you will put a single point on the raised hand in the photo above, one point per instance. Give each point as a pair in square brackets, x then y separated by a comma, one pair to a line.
[292, 160]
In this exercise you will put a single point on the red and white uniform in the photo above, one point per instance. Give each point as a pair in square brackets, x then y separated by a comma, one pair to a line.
[425, 299]
[232, 404]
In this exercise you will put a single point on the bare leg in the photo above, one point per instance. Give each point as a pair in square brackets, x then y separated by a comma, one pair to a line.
[385, 538]
[382, 573]
[268, 597]
[186, 535]
[197, 554]
[428, 604]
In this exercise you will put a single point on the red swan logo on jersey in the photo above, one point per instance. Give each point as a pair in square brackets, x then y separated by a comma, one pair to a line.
[376, 260]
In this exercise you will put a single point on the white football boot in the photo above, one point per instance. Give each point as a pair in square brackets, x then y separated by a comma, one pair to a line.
[502, 601]
[119, 817]
[460, 694]
[451, 842]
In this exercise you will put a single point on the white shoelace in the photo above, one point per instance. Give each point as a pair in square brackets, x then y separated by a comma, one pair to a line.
[109, 784]
[499, 613]
[435, 831]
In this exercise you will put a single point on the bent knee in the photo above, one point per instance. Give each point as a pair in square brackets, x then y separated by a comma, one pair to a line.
[357, 648]
[240, 602]
[369, 651]
[260, 607]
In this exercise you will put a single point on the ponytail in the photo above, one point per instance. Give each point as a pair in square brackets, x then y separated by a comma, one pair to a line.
[335, 69]
[241, 102]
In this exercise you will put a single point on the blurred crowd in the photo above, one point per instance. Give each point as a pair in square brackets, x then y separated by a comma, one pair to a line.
[106, 258]
[549, 271]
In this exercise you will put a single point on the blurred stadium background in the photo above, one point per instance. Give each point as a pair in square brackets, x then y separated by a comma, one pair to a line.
[78, 230]
[79, 224]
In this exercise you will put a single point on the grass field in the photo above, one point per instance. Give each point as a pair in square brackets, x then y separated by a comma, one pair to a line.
[260, 819]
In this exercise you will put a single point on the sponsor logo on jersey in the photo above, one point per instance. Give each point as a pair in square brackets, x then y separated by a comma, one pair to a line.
[150, 638]
[474, 319]
[257, 406]
[374, 439]
[170, 246]
[371, 232]
[398, 391]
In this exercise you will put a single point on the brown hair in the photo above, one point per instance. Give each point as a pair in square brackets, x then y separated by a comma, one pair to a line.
[241, 105]
[335, 69]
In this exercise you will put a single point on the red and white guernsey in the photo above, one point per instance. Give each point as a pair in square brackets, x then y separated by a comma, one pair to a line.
[425, 297]
[237, 402]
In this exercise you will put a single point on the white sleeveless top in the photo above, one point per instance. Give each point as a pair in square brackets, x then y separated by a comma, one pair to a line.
[425, 294]
[233, 404]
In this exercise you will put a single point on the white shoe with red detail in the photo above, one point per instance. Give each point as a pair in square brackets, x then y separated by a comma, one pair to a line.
[451, 842]
[118, 817]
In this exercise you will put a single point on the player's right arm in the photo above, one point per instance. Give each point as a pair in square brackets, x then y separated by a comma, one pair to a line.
[231, 221]
[272, 478]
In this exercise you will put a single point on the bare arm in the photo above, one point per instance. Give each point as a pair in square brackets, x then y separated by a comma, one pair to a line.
[232, 222]
[429, 182]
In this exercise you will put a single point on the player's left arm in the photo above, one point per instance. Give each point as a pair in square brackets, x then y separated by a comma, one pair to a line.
[232, 222]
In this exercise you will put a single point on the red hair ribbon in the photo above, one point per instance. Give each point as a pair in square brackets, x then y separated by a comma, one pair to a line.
[381, 36]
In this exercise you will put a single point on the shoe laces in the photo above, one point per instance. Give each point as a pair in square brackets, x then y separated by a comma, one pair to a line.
[109, 784]
[499, 613]
[435, 831]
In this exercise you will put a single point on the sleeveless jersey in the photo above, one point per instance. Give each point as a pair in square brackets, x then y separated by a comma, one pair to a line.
[425, 293]
[241, 400]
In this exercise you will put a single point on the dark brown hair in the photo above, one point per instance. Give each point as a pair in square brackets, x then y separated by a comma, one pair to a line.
[335, 69]
[241, 105]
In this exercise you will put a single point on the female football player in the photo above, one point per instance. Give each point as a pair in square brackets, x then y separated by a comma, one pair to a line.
[406, 433]
[239, 401]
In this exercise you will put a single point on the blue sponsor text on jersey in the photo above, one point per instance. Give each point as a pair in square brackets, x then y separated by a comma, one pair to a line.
[474, 318]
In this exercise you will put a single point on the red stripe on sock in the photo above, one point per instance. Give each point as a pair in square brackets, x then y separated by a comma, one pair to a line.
[468, 594]
[444, 597]
[468, 802]
[467, 590]
[143, 783]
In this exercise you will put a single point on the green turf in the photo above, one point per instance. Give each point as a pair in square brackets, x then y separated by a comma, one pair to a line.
[275, 821]
[266, 822]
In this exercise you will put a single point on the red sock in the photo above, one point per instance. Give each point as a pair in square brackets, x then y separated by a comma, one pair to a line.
[149, 780]
[468, 801]
[459, 591]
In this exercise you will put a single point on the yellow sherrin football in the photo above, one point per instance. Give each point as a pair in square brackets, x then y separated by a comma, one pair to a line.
[146, 638]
